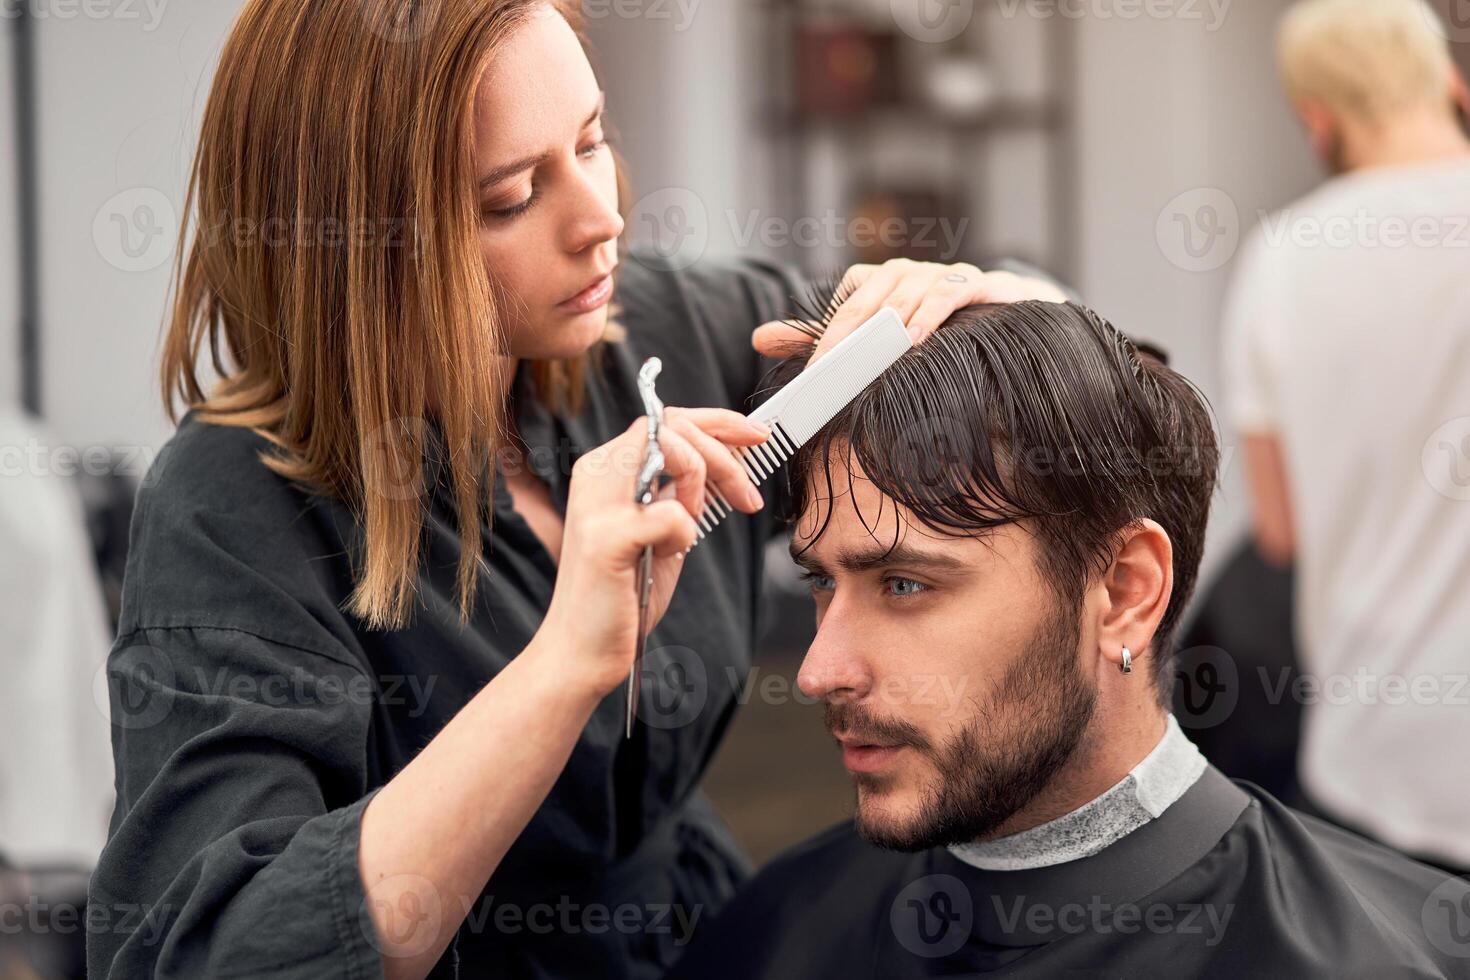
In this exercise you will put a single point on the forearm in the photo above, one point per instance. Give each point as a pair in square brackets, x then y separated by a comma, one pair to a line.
[434, 834]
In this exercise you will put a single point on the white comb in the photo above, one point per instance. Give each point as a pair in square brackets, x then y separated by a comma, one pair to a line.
[798, 411]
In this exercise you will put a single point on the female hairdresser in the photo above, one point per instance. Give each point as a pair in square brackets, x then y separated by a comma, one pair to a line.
[380, 601]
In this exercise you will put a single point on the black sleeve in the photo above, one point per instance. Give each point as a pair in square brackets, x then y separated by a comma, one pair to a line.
[241, 786]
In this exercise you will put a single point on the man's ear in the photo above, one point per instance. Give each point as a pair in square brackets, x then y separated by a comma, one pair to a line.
[1136, 589]
[1321, 125]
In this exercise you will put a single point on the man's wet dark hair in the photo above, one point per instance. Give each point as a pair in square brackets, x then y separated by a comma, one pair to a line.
[1037, 412]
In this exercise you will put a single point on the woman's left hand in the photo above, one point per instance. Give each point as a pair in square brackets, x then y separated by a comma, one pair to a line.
[923, 293]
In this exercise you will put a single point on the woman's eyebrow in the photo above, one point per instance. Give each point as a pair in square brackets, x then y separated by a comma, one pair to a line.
[526, 163]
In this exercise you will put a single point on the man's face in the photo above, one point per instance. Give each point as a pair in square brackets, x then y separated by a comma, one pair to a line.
[950, 669]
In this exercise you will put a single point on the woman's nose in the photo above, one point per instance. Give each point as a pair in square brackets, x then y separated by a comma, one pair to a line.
[595, 219]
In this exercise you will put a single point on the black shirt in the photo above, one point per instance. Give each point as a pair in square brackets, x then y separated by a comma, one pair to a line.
[1226, 883]
[254, 717]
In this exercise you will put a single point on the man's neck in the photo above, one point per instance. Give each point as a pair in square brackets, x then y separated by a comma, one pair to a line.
[1110, 750]
[1412, 139]
[1142, 794]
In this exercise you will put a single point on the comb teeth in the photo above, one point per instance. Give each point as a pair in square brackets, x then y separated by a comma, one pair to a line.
[799, 410]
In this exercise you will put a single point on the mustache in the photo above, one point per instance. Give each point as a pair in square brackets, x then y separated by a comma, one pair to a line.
[855, 721]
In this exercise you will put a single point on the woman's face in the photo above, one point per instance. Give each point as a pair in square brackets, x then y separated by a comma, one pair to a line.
[548, 195]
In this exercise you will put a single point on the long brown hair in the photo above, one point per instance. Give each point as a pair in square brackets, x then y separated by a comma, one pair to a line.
[334, 246]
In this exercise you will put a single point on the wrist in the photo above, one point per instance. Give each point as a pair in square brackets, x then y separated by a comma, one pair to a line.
[553, 656]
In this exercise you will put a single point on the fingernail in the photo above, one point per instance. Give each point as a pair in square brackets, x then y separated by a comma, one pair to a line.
[760, 427]
[754, 496]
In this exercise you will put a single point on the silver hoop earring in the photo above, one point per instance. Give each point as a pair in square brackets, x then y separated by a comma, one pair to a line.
[1127, 665]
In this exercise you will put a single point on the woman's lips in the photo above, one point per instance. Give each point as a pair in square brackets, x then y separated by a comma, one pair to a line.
[589, 299]
[869, 758]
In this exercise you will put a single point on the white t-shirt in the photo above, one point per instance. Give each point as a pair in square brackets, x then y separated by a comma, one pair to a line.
[1347, 335]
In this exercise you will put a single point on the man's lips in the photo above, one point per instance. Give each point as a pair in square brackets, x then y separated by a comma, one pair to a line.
[859, 755]
[594, 294]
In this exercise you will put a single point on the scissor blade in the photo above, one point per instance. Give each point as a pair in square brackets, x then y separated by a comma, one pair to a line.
[645, 589]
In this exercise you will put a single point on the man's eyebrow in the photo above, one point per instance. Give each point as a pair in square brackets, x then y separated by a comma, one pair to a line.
[867, 559]
[526, 163]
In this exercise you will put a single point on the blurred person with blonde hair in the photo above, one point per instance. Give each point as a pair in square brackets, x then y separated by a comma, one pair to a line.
[1347, 361]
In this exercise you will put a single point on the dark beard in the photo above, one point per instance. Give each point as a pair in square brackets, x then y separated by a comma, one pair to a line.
[984, 782]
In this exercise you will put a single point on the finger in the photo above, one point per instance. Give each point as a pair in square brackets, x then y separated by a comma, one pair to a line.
[866, 300]
[959, 287]
[780, 339]
[722, 472]
[686, 465]
[667, 527]
[727, 426]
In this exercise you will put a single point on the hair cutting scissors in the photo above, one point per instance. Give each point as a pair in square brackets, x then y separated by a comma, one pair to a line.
[649, 475]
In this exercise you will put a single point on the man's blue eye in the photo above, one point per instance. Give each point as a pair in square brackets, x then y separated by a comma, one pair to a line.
[820, 583]
[903, 588]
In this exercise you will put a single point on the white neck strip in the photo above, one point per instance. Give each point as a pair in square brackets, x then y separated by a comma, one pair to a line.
[1147, 791]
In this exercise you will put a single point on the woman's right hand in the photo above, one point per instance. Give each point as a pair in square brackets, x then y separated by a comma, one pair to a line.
[593, 616]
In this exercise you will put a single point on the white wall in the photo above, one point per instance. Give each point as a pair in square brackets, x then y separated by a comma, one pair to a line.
[120, 101]
[1168, 108]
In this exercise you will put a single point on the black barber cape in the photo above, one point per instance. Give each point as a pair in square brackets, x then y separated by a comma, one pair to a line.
[1226, 883]
[254, 717]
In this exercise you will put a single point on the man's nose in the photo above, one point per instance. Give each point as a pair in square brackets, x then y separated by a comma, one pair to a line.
[835, 665]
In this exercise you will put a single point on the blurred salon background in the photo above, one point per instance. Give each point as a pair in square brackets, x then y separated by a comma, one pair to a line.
[1127, 147]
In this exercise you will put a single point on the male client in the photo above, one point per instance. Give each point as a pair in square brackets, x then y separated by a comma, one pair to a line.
[1000, 534]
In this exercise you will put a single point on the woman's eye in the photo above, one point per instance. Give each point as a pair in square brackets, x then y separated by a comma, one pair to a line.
[903, 588]
[515, 210]
[592, 150]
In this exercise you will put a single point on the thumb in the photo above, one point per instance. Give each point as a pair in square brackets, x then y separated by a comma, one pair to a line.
[779, 339]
